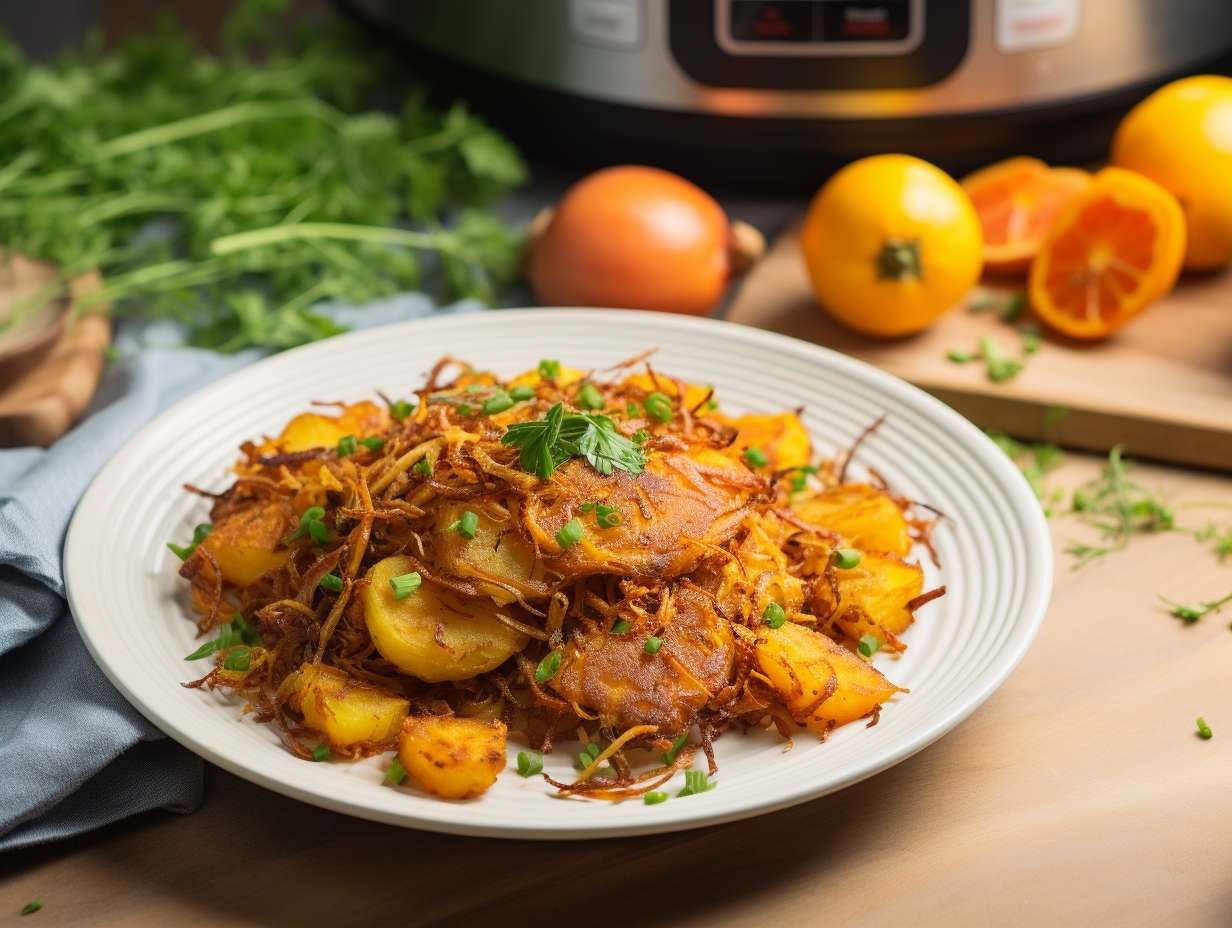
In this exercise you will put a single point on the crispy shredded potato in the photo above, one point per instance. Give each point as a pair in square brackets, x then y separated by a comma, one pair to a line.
[555, 555]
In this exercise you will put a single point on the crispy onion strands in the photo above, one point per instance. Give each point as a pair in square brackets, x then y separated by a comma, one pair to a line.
[612, 748]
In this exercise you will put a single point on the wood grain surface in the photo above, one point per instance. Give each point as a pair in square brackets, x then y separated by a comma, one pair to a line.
[1162, 386]
[44, 393]
[1079, 795]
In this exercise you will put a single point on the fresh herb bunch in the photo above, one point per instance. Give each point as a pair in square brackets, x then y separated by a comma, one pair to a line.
[232, 194]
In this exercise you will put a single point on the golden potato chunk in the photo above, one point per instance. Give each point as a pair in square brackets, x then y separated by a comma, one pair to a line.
[248, 541]
[863, 515]
[568, 375]
[800, 665]
[451, 757]
[677, 500]
[347, 711]
[497, 558]
[781, 438]
[314, 430]
[872, 597]
[759, 575]
[694, 394]
[434, 634]
[615, 678]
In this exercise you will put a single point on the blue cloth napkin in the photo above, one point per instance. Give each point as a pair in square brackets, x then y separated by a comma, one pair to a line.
[73, 754]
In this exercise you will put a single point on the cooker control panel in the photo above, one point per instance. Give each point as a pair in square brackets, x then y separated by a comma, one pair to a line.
[818, 27]
[819, 44]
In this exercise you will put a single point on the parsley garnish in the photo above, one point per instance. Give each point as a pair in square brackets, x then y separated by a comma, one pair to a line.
[559, 436]
[1191, 614]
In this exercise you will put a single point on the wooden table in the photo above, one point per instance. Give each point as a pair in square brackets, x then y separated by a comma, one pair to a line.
[1078, 795]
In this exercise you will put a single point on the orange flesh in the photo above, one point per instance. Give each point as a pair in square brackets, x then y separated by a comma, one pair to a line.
[1017, 203]
[1101, 260]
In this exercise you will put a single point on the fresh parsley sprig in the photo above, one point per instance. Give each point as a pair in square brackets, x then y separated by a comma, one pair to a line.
[559, 436]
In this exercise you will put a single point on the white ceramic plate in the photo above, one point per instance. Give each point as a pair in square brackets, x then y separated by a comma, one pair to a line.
[131, 608]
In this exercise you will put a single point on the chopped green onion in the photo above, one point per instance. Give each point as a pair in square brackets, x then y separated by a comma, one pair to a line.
[496, 403]
[868, 645]
[465, 409]
[406, 584]
[320, 752]
[529, 763]
[589, 397]
[204, 651]
[621, 627]
[396, 772]
[755, 457]
[331, 582]
[669, 756]
[475, 388]
[774, 615]
[312, 516]
[549, 370]
[246, 632]
[960, 357]
[799, 478]
[695, 783]
[640, 436]
[654, 797]
[1204, 730]
[240, 659]
[652, 645]
[31, 907]
[466, 525]
[605, 516]
[632, 410]
[659, 406]
[570, 533]
[423, 467]
[200, 533]
[593, 750]
[547, 667]
[319, 532]
[522, 393]
[347, 445]
[846, 558]
[401, 409]
[373, 443]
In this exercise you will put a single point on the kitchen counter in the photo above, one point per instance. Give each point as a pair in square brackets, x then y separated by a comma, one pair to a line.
[1079, 794]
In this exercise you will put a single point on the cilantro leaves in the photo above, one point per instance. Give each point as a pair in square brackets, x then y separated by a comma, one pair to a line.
[559, 436]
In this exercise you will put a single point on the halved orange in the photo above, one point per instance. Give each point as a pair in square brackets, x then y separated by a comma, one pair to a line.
[1017, 201]
[1114, 250]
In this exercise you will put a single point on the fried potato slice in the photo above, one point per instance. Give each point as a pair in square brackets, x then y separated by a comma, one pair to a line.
[347, 711]
[872, 597]
[497, 559]
[782, 438]
[434, 634]
[247, 541]
[451, 757]
[822, 684]
[680, 504]
[314, 430]
[616, 679]
[863, 515]
[758, 574]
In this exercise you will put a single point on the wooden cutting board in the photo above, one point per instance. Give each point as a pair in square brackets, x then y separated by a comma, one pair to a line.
[49, 370]
[1162, 386]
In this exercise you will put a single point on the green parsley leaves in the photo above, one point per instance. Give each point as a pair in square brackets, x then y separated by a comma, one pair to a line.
[559, 436]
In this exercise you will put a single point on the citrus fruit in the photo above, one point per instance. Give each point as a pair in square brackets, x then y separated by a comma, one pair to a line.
[891, 242]
[1181, 137]
[1116, 248]
[1017, 200]
[633, 237]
